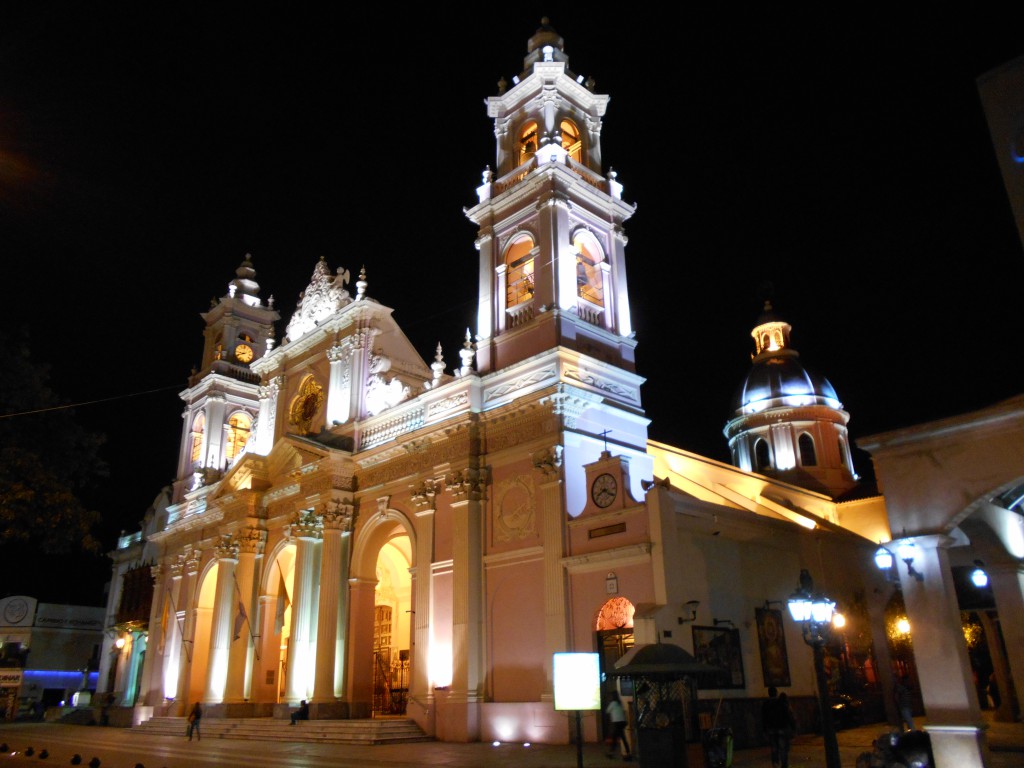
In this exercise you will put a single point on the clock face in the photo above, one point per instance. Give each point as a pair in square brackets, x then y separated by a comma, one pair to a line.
[604, 490]
[243, 352]
[15, 611]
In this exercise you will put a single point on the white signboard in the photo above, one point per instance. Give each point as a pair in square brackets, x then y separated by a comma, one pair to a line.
[577, 681]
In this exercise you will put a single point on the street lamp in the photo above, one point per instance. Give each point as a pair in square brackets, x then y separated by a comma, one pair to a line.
[813, 611]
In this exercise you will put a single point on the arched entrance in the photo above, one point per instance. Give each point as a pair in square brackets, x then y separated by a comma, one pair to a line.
[391, 626]
[381, 615]
[614, 627]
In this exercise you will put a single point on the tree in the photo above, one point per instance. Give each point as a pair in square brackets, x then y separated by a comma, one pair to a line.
[46, 460]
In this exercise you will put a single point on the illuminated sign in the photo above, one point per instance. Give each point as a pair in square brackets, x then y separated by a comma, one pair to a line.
[10, 678]
[577, 681]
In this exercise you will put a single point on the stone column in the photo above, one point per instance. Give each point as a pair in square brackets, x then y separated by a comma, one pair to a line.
[172, 631]
[339, 398]
[362, 596]
[876, 602]
[213, 451]
[151, 691]
[467, 605]
[358, 345]
[953, 718]
[421, 696]
[553, 519]
[306, 529]
[337, 519]
[224, 607]
[250, 552]
[1007, 580]
[187, 610]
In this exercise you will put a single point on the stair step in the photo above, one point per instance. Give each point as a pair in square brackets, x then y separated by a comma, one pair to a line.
[271, 729]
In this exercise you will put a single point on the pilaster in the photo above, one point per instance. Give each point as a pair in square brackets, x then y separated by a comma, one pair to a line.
[1007, 580]
[337, 523]
[553, 516]
[152, 690]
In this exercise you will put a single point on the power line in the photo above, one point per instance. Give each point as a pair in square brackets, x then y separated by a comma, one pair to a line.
[89, 402]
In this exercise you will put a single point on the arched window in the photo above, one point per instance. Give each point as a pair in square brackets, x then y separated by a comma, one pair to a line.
[198, 427]
[239, 426]
[808, 457]
[762, 456]
[589, 275]
[529, 138]
[519, 271]
[571, 141]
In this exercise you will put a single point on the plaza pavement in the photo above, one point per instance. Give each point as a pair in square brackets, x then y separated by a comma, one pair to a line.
[120, 748]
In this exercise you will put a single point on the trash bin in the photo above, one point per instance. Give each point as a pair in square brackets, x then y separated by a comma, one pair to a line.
[718, 747]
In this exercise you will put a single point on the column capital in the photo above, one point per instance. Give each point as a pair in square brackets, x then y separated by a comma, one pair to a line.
[193, 557]
[306, 524]
[467, 484]
[549, 462]
[226, 548]
[338, 515]
[251, 540]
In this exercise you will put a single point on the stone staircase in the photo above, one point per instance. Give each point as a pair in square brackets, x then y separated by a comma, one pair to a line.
[367, 732]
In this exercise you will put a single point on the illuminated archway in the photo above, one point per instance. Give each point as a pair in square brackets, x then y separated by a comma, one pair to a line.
[207, 592]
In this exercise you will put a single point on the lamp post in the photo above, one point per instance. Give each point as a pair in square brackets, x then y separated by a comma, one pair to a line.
[813, 611]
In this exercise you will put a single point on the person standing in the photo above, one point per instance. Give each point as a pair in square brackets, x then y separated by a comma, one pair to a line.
[617, 718]
[779, 725]
[193, 721]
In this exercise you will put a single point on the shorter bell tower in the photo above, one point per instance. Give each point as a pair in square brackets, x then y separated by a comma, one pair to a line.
[222, 399]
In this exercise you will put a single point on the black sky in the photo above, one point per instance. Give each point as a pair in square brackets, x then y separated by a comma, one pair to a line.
[146, 148]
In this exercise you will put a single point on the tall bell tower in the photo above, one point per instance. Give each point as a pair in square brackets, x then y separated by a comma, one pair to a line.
[551, 243]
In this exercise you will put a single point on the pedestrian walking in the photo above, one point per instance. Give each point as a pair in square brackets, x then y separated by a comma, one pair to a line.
[904, 703]
[193, 721]
[617, 719]
[779, 726]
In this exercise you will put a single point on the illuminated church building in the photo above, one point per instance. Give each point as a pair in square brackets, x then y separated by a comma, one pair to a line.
[377, 534]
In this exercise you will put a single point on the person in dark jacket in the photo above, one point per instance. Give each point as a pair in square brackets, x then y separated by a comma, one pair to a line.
[302, 713]
[779, 726]
[193, 721]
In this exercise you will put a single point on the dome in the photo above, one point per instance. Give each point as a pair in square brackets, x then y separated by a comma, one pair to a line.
[782, 380]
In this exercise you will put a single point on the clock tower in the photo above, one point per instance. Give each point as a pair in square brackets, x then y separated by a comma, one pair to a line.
[222, 399]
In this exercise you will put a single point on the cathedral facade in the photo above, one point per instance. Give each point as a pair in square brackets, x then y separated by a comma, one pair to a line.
[378, 534]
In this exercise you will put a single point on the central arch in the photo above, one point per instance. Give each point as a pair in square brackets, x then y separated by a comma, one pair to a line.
[381, 613]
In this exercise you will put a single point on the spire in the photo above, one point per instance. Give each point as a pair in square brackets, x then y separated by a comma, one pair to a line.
[361, 284]
[545, 45]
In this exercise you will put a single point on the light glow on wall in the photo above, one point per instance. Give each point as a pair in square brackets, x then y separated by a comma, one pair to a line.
[439, 665]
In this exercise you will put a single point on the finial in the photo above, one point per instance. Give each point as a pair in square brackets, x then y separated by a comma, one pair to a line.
[270, 301]
[545, 21]
[502, 86]
[488, 175]
[466, 353]
[612, 173]
[590, 84]
[437, 367]
[361, 284]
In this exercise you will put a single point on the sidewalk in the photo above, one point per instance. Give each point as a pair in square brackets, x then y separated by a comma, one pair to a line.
[122, 748]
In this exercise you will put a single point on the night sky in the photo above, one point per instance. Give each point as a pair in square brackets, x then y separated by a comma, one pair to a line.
[845, 161]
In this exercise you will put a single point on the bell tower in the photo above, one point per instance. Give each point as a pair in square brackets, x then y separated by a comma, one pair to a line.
[551, 242]
[222, 398]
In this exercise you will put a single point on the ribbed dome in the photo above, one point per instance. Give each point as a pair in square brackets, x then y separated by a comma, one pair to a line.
[781, 380]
